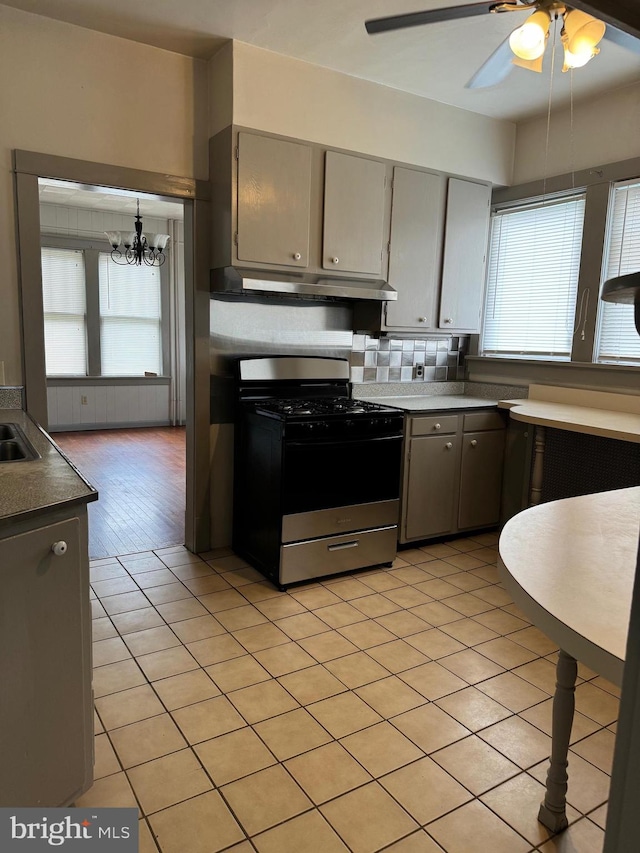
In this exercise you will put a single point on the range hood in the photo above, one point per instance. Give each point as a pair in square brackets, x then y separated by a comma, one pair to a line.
[248, 281]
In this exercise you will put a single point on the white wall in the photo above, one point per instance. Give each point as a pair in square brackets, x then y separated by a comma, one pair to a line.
[605, 130]
[76, 93]
[93, 406]
[287, 96]
[69, 221]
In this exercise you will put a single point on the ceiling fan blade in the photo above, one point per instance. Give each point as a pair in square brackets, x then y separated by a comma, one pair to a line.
[430, 16]
[622, 39]
[496, 69]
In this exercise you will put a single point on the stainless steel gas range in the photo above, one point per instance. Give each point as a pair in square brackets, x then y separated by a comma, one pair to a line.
[317, 473]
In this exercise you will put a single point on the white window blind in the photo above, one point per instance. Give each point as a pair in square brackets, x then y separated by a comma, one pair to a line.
[130, 319]
[64, 303]
[532, 279]
[618, 340]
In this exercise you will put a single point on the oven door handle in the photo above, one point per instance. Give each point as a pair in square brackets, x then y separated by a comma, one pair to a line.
[345, 440]
[342, 545]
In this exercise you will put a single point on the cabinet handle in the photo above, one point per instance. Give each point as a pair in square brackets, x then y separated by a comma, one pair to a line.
[336, 260]
[448, 320]
[448, 445]
[296, 256]
[474, 443]
[422, 319]
[437, 426]
[59, 548]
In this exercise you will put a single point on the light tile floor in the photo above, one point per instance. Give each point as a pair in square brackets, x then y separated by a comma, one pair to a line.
[404, 709]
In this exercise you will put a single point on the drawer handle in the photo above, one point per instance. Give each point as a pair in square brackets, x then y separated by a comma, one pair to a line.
[59, 548]
[448, 445]
[437, 426]
[343, 545]
[474, 443]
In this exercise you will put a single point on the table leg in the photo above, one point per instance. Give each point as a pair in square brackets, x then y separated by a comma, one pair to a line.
[553, 810]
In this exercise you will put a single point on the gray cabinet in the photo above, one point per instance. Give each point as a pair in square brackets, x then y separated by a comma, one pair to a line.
[273, 201]
[46, 715]
[452, 477]
[415, 249]
[465, 250]
[354, 214]
[285, 204]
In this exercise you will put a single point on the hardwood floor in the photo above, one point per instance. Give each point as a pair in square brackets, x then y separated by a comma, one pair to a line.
[140, 477]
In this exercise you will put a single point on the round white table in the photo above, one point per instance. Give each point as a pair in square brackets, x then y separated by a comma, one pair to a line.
[570, 565]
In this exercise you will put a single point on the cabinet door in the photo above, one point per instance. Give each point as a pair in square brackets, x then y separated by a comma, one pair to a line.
[481, 478]
[274, 200]
[465, 250]
[416, 238]
[45, 670]
[431, 486]
[354, 213]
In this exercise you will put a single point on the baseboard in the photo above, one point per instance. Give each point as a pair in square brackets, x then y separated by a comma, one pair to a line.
[111, 425]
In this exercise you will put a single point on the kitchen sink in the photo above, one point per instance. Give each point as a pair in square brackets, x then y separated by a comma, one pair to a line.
[14, 445]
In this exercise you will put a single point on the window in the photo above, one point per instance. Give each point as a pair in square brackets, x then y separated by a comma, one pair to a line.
[532, 279]
[100, 318]
[130, 319]
[64, 302]
[618, 340]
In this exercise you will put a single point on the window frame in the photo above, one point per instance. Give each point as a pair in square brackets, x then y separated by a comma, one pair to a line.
[91, 250]
[597, 182]
[534, 202]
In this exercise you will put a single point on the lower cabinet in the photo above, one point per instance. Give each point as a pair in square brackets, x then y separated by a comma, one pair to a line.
[46, 715]
[452, 478]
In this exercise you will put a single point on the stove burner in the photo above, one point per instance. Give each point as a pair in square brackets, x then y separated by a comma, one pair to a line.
[319, 406]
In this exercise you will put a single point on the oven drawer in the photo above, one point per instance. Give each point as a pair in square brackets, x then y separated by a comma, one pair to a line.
[328, 522]
[334, 554]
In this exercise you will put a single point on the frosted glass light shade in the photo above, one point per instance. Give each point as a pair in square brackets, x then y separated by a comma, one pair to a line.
[114, 238]
[161, 241]
[529, 40]
[580, 35]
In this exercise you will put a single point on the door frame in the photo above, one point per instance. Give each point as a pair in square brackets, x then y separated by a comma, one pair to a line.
[28, 166]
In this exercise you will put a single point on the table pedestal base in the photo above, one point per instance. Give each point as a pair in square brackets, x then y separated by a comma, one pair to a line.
[552, 812]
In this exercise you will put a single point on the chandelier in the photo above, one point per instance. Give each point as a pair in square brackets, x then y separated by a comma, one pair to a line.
[138, 248]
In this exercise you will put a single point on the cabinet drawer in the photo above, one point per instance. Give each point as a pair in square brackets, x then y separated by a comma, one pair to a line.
[483, 420]
[434, 425]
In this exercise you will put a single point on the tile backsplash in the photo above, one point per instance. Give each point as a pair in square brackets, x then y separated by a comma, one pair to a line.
[396, 359]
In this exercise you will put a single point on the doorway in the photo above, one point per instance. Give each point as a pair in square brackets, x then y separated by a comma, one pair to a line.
[29, 167]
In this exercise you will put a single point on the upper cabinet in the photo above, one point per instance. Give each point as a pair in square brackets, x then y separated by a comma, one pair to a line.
[354, 214]
[282, 204]
[273, 201]
[415, 249]
[465, 251]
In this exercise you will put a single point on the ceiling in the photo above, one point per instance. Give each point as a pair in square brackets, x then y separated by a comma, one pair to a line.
[432, 61]
[104, 198]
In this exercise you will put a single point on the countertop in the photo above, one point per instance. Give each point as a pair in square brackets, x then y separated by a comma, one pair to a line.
[31, 487]
[425, 403]
[595, 413]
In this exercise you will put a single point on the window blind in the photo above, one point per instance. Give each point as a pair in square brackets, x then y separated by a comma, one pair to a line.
[617, 339]
[64, 303]
[532, 279]
[130, 315]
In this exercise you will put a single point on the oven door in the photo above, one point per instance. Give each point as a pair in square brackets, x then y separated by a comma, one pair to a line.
[323, 474]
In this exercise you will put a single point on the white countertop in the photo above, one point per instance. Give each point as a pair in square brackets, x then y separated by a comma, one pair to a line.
[570, 566]
[425, 403]
[580, 416]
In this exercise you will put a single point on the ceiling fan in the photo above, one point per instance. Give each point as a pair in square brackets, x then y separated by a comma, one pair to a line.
[581, 33]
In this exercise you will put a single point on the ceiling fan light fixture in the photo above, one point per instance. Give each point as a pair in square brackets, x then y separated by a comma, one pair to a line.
[581, 34]
[528, 41]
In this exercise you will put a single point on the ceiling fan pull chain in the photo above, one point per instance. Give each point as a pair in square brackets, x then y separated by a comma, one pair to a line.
[546, 145]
